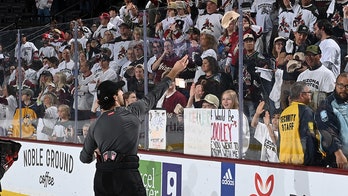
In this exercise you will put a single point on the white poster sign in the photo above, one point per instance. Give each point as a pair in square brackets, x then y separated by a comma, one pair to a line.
[157, 129]
[197, 123]
[224, 138]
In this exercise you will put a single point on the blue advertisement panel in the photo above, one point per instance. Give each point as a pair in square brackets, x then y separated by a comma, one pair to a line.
[171, 179]
[228, 174]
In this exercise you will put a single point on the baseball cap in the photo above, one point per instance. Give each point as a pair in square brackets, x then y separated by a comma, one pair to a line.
[104, 16]
[213, 1]
[114, 8]
[314, 49]
[248, 36]
[193, 30]
[279, 38]
[212, 99]
[28, 92]
[107, 89]
[303, 29]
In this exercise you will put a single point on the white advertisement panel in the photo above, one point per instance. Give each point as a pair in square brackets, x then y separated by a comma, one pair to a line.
[180, 176]
[267, 181]
[47, 169]
[44, 169]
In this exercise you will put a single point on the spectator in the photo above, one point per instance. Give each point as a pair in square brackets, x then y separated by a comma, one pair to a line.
[43, 10]
[308, 5]
[291, 70]
[228, 40]
[46, 123]
[84, 96]
[108, 42]
[115, 20]
[254, 87]
[121, 44]
[229, 100]
[81, 138]
[156, 50]
[135, 80]
[266, 133]
[165, 24]
[27, 50]
[29, 116]
[300, 43]
[67, 65]
[8, 105]
[331, 52]
[331, 120]
[210, 101]
[298, 141]
[20, 79]
[171, 98]
[48, 99]
[212, 79]
[196, 96]
[317, 77]
[287, 14]
[63, 129]
[208, 45]
[165, 62]
[262, 10]
[138, 52]
[104, 25]
[129, 98]
[278, 58]
[62, 89]
[130, 62]
[125, 9]
[209, 22]
[47, 50]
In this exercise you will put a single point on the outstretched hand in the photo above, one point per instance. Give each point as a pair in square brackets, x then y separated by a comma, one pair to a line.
[180, 65]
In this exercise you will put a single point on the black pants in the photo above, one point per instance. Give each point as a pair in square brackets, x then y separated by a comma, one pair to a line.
[118, 182]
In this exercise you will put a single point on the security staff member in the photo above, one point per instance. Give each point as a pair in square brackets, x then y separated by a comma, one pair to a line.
[114, 136]
[298, 137]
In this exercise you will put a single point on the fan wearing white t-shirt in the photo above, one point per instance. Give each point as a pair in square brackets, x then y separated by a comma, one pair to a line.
[266, 133]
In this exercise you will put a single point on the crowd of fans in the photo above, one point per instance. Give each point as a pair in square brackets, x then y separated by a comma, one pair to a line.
[284, 42]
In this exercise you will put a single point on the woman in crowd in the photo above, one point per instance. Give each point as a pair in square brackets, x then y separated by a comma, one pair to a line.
[8, 105]
[229, 100]
[208, 45]
[63, 130]
[62, 89]
[211, 77]
[46, 123]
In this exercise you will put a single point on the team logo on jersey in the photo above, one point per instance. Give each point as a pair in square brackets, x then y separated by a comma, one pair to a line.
[284, 26]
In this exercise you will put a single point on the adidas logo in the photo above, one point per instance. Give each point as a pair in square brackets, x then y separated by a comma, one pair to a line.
[227, 179]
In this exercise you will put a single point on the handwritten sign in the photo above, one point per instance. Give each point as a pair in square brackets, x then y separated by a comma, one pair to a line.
[157, 129]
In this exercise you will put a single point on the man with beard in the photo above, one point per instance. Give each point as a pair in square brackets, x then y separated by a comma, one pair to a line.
[114, 136]
[332, 122]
